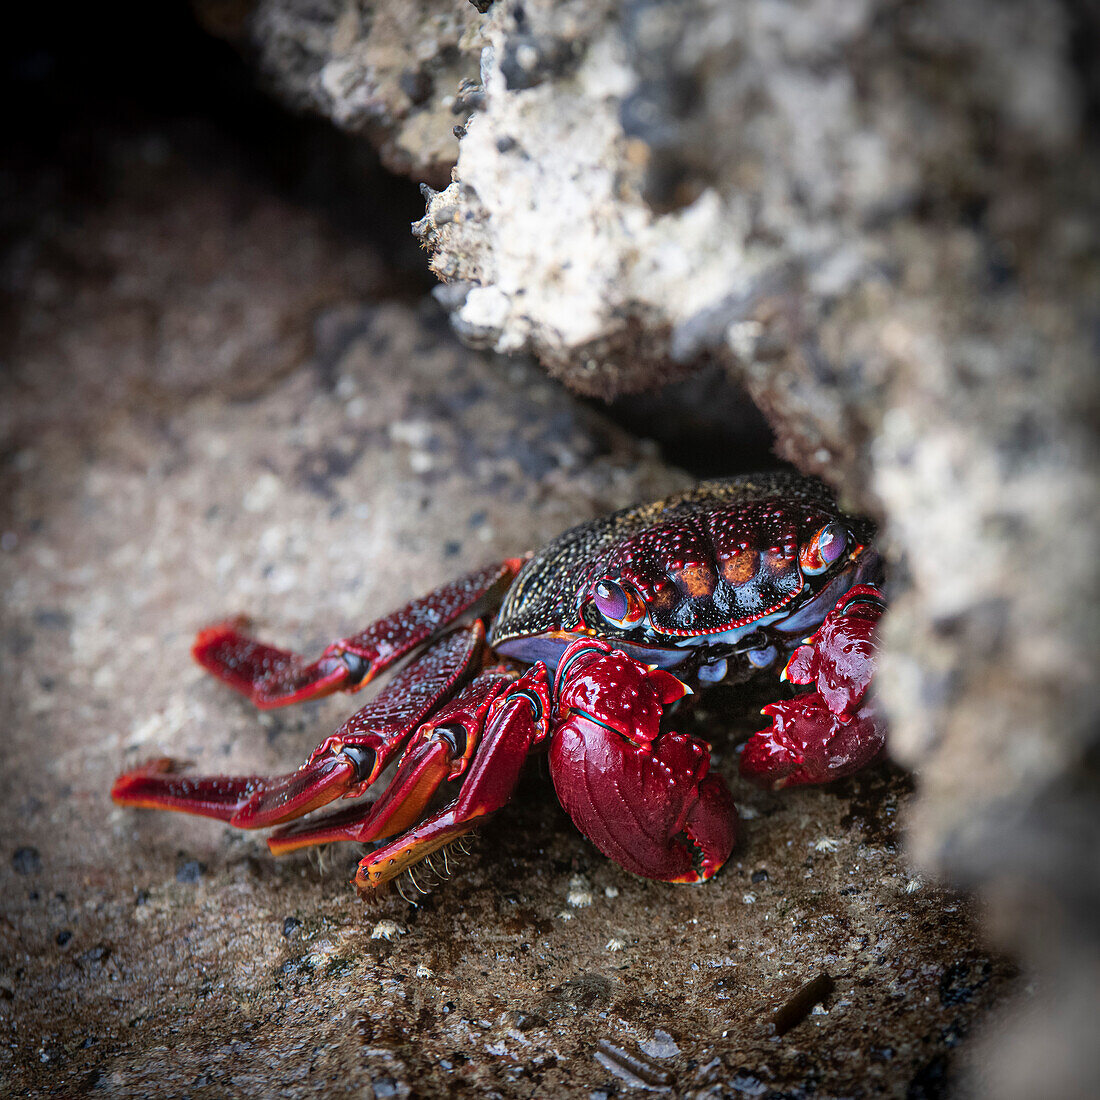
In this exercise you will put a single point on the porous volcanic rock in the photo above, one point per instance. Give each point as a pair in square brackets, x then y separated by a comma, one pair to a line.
[403, 74]
[882, 215]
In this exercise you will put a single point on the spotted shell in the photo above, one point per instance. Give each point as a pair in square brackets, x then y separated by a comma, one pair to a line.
[721, 554]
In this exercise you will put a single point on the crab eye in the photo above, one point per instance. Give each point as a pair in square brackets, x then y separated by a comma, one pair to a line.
[616, 604]
[824, 549]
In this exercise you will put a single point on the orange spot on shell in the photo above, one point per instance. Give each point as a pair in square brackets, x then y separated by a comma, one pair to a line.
[777, 562]
[664, 598]
[740, 568]
[698, 580]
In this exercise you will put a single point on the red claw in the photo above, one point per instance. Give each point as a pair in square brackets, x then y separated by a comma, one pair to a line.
[807, 743]
[614, 689]
[652, 809]
[840, 657]
[642, 797]
[833, 730]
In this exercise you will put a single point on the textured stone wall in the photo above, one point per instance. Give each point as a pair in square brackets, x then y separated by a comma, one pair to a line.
[402, 74]
[879, 215]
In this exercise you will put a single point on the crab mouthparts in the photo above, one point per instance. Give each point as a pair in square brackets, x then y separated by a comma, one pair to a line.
[735, 625]
[550, 646]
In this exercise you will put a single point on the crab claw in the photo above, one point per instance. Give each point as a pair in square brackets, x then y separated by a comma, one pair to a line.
[651, 808]
[834, 729]
[644, 798]
[840, 658]
[807, 743]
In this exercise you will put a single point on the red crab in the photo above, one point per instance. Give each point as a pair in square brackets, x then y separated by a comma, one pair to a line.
[718, 583]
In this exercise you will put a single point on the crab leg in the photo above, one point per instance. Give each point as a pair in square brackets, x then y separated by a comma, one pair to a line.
[246, 801]
[441, 750]
[273, 677]
[345, 764]
[518, 720]
[375, 734]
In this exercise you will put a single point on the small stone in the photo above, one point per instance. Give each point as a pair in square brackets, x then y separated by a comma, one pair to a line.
[386, 930]
[190, 871]
[26, 861]
[662, 1045]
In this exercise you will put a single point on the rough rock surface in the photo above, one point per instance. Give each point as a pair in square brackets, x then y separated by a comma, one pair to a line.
[883, 216]
[403, 74]
[192, 277]
[145, 953]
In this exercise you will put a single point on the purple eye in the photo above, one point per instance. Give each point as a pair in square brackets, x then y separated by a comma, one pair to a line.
[617, 605]
[824, 549]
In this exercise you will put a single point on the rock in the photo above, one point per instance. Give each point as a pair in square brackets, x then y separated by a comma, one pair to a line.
[140, 507]
[194, 277]
[882, 218]
[403, 74]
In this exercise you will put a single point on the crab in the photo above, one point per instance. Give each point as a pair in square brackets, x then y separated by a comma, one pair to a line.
[584, 649]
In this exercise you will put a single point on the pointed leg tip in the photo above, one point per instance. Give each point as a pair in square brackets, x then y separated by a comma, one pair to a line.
[372, 884]
[368, 894]
[138, 788]
[370, 879]
[217, 633]
[366, 887]
[124, 786]
[120, 790]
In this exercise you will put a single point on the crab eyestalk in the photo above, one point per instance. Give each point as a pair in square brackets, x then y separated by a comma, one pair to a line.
[643, 797]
